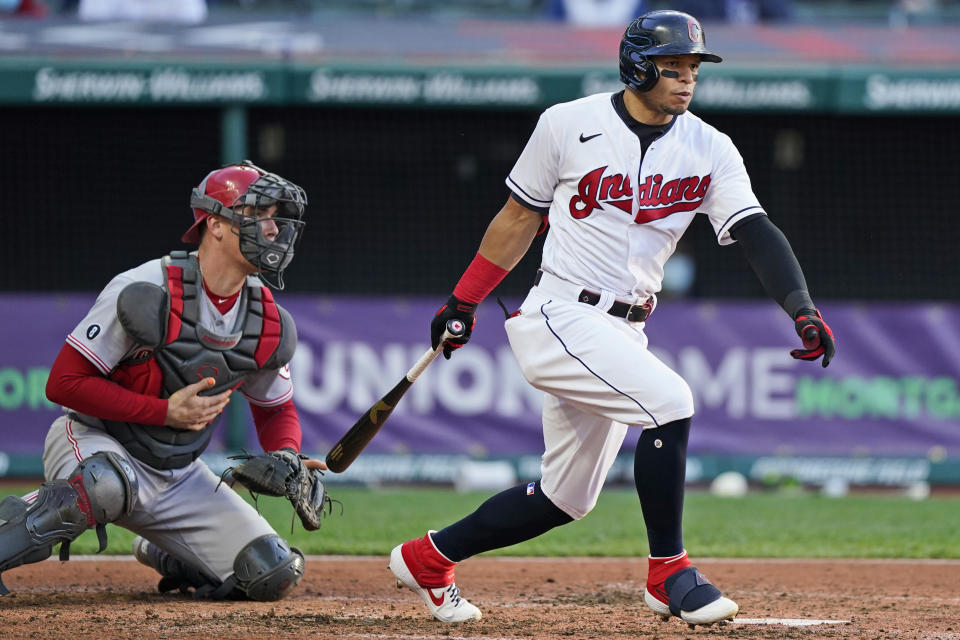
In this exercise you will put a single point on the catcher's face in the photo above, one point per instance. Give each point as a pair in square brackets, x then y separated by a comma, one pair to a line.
[673, 92]
[265, 225]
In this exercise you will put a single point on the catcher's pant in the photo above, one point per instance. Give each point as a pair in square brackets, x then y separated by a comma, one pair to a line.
[180, 510]
[599, 378]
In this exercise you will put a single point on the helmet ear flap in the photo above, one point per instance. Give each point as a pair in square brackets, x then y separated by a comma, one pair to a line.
[637, 70]
[647, 73]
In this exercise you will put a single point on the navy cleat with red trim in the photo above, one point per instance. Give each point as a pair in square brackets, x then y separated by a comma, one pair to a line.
[675, 587]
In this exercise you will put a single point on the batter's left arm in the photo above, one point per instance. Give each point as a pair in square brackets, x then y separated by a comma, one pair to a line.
[770, 255]
[510, 234]
[506, 240]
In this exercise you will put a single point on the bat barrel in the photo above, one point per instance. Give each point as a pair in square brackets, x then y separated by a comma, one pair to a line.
[346, 450]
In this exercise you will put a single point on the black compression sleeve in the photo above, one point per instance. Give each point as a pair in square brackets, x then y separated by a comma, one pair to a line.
[769, 253]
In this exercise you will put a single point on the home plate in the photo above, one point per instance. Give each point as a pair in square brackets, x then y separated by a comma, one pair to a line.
[788, 622]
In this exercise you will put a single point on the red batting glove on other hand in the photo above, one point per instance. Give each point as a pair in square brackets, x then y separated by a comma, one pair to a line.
[816, 335]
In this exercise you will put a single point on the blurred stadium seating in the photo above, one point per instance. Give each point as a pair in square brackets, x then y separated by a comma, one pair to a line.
[803, 11]
[844, 122]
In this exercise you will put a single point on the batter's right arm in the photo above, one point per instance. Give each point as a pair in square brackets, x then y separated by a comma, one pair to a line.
[769, 253]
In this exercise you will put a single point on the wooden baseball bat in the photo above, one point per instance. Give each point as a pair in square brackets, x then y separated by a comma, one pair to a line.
[363, 430]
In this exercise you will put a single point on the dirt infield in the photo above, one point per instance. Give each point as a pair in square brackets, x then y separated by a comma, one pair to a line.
[539, 599]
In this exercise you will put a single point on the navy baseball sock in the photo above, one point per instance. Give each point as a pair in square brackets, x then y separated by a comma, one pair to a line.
[509, 517]
[659, 470]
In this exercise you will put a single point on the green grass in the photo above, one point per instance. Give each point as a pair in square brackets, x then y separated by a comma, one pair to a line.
[759, 525]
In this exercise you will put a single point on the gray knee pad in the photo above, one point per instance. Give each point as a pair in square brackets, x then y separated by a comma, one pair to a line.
[268, 568]
[101, 489]
[109, 484]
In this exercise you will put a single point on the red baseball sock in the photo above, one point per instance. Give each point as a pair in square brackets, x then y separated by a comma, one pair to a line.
[659, 569]
[430, 568]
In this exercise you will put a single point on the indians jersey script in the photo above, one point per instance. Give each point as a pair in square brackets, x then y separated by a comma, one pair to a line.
[615, 217]
[104, 342]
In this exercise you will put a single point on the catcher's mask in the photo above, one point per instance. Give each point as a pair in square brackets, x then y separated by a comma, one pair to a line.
[241, 193]
[658, 33]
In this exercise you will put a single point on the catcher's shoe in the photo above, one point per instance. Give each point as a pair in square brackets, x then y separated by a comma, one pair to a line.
[675, 587]
[175, 575]
[140, 550]
[418, 564]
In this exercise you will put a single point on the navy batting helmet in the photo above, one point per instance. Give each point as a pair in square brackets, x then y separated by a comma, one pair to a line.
[658, 33]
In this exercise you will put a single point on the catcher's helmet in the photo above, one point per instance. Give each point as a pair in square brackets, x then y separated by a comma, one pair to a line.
[658, 33]
[236, 192]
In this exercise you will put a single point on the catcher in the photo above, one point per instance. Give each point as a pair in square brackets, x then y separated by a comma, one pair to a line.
[142, 379]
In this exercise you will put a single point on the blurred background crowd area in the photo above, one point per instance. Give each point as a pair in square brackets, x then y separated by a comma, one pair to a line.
[845, 112]
[585, 12]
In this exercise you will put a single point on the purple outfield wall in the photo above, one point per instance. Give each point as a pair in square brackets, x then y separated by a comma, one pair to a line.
[892, 389]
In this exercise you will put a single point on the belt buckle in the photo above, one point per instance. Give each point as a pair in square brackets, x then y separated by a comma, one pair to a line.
[642, 310]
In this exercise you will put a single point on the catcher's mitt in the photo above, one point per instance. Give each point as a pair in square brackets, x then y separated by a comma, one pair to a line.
[283, 474]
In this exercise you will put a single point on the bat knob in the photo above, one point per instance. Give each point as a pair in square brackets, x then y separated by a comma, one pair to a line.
[456, 327]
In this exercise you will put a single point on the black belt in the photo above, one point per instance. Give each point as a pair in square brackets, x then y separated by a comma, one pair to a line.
[631, 312]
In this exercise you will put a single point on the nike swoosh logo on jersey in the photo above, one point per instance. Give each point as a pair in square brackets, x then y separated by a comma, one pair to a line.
[221, 300]
[586, 138]
[437, 601]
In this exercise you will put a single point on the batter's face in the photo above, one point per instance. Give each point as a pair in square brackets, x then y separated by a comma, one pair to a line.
[673, 92]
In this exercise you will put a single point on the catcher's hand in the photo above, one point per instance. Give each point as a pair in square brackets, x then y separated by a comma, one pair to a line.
[286, 474]
[816, 335]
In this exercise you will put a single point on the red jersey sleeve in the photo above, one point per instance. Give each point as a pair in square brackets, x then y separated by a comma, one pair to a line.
[76, 383]
[277, 427]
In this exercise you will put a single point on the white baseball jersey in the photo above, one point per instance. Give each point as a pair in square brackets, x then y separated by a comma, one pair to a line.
[615, 217]
[103, 341]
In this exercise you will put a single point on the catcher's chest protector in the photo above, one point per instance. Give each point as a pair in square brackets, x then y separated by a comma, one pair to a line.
[263, 337]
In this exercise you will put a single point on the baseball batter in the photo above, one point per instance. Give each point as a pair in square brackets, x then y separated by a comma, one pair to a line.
[620, 176]
[142, 379]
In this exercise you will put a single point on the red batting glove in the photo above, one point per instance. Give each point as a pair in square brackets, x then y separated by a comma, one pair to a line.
[458, 310]
[816, 335]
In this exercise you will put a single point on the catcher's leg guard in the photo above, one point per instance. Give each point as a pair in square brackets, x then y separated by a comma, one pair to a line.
[102, 489]
[266, 569]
